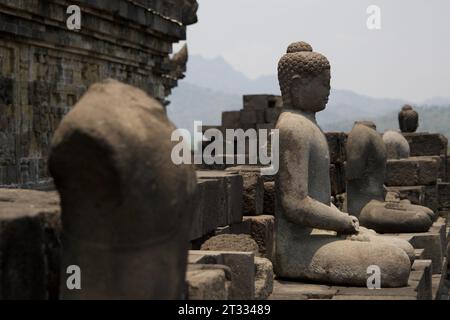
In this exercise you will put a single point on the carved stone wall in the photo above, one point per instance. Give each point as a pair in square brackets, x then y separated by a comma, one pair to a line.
[45, 68]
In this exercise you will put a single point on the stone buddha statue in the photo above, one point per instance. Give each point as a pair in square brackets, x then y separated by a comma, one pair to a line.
[126, 207]
[314, 240]
[397, 146]
[365, 172]
[408, 119]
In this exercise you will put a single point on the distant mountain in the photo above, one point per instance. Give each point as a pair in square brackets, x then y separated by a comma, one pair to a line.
[219, 75]
[191, 103]
[212, 86]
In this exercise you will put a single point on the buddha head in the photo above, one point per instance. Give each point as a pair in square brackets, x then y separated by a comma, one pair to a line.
[408, 119]
[304, 78]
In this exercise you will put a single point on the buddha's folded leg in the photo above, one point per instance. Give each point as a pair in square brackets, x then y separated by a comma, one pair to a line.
[370, 235]
[346, 262]
[383, 219]
[331, 260]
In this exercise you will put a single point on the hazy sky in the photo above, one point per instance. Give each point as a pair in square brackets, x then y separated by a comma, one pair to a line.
[408, 58]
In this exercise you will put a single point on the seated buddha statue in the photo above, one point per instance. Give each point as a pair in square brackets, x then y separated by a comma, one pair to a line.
[365, 172]
[314, 240]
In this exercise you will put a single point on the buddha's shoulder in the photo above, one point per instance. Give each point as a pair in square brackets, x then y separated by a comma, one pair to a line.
[292, 122]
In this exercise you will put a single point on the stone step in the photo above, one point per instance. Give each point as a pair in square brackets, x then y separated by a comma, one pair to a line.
[29, 236]
[219, 201]
[433, 242]
[419, 288]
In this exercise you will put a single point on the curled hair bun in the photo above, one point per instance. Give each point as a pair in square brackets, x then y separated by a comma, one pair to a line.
[299, 47]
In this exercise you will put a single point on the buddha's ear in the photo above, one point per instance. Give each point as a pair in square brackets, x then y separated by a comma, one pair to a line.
[295, 88]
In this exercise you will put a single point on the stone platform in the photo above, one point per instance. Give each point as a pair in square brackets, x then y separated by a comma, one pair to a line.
[419, 288]
[434, 243]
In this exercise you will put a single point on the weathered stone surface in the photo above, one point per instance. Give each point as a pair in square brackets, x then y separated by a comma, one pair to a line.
[293, 290]
[253, 188]
[271, 115]
[415, 194]
[46, 67]
[426, 144]
[413, 171]
[448, 169]
[262, 231]
[418, 288]
[231, 242]
[261, 102]
[337, 178]
[248, 119]
[443, 168]
[432, 197]
[29, 244]
[269, 198]
[397, 146]
[336, 144]
[253, 193]
[432, 242]
[444, 195]
[242, 267]
[208, 282]
[124, 202]
[231, 119]
[263, 278]
[228, 203]
[210, 212]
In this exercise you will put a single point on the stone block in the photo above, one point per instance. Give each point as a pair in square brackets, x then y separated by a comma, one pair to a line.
[242, 266]
[231, 242]
[271, 115]
[30, 229]
[432, 197]
[336, 144]
[426, 144]
[248, 119]
[243, 227]
[269, 198]
[253, 193]
[208, 282]
[260, 116]
[261, 101]
[301, 291]
[400, 173]
[448, 169]
[432, 242]
[415, 194]
[428, 169]
[419, 287]
[438, 286]
[231, 119]
[337, 179]
[444, 195]
[262, 231]
[443, 168]
[263, 278]
[253, 189]
[210, 211]
[412, 171]
[228, 200]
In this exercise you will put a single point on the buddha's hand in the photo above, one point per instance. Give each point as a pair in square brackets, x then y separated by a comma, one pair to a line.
[352, 225]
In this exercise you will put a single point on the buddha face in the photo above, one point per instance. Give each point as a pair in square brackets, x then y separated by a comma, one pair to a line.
[310, 93]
